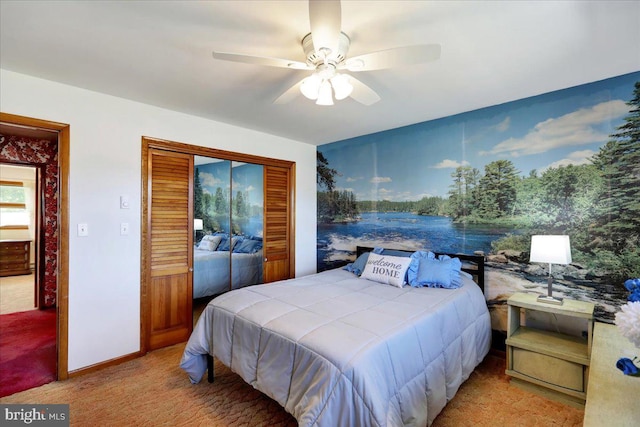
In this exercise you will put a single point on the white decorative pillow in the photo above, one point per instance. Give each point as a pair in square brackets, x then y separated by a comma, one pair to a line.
[386, 269]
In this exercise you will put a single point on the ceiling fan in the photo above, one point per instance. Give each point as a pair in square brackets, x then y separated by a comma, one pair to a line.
[325, 49]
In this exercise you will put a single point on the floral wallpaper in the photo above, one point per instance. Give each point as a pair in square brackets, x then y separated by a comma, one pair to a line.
[41, 152]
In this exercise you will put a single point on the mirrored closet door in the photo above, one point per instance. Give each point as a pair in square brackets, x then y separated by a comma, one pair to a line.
[228, 225]
[213, 220]
[247, 223]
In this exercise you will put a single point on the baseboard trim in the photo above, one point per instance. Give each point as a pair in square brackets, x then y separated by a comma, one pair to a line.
[105, 364]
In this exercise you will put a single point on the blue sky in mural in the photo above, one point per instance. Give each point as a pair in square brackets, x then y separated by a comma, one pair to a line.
[557, 128]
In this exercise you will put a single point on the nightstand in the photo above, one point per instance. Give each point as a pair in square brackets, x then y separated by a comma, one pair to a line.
[553, 363]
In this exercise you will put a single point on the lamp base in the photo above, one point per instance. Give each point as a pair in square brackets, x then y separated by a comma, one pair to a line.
[549, 300]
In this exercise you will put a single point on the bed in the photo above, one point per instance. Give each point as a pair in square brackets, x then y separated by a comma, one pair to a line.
[334, 348]
[211, 266]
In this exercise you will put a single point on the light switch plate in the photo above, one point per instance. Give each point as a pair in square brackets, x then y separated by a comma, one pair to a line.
[124, 228]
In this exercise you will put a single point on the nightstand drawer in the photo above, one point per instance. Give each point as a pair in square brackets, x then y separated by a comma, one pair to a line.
[549, 369]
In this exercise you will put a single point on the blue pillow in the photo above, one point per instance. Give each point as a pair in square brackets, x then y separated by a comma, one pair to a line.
[224, 244]
[412, 271]
[357, 267]
[395, 252]
[434, 273]
[247, 246]
[427, 270]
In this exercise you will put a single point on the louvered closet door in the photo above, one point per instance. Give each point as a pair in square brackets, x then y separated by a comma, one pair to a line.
[170, 212]
[277, 230]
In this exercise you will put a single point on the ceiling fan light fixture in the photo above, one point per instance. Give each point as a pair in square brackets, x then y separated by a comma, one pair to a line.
[325, 96]
[341, 86]
[310, 86]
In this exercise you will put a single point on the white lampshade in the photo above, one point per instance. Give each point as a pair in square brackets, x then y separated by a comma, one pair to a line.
[341, 86]
[197, 224]
[310, 86]
[550, 249]
[325, 96]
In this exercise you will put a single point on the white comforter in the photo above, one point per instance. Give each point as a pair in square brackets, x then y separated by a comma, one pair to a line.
[337, 350]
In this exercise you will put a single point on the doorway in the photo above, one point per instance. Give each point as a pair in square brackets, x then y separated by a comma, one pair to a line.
[53, 242]
[19, 234]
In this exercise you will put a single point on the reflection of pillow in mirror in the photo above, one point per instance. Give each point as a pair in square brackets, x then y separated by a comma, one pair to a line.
[209, 242]
[206, 245]
[247, 246]
[224, 244]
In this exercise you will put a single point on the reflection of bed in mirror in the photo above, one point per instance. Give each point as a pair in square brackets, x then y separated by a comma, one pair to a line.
[211, 266]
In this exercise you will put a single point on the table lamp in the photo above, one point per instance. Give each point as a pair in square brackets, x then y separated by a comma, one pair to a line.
[552, 250]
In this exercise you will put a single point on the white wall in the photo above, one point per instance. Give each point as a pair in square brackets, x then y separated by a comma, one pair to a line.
[105, 156]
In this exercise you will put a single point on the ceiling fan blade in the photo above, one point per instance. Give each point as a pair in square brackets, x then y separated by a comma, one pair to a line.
[325, 18]
[262, 60]
[289, 94]
[363, 93]
[394, 57]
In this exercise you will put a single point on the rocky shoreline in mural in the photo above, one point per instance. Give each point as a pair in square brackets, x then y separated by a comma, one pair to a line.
[508, 272]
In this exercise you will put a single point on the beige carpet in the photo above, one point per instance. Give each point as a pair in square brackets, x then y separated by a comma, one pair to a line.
[153, 391]
[16, 293]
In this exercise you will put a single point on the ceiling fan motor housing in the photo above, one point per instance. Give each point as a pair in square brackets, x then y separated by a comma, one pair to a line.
[315, 58]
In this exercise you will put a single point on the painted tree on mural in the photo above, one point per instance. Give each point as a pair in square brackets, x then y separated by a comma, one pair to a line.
[333, 205]
[567, 194]
[474, 198]
[498, 189]
[198, 211]
[325, 174]
[617, 227]
[337, 206]
[463, 192]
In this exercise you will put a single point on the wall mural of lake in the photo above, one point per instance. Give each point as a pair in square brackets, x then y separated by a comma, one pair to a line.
[566, 162]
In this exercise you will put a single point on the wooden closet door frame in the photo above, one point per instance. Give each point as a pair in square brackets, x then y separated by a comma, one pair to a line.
[149, 143]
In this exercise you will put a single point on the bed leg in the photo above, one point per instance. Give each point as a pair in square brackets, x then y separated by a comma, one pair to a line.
[209, 368]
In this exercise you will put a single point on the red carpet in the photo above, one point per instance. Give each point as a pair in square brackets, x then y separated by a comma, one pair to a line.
[27, 350]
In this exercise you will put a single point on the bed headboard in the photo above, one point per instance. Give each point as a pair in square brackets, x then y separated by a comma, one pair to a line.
[472, 264]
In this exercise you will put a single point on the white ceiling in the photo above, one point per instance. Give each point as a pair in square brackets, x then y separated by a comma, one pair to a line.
[159, 53]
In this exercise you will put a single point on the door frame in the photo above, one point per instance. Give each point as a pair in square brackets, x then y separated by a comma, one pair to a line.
[149, 143]
[62, 282]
